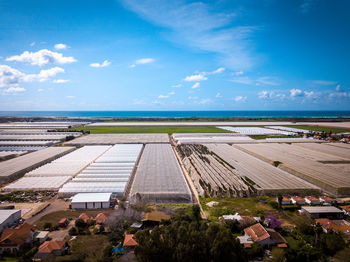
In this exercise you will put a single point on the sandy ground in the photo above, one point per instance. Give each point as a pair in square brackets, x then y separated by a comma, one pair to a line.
[62, 233]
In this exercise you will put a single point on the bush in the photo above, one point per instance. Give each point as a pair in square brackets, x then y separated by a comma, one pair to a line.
[73, 231]
[47, 226]
[273, 204]
[79, 223]
[107, 252]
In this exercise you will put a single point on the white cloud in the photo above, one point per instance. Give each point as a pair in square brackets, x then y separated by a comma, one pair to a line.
[204, 101]
[60, 81]
[32, 44]
[295, 92]
[195, 78]
[60, 46]
[310, 94]
[15, 90]
[218, 95]
[104, 64]
[240, 98]
[40, 90]
[163, 96]
[268, 80]
[143, 61]
[243, 80]
[324, 82]
[238, 73]
[265, 94]
[42, 57]
[198, 25]
[70, 97]
[218, 71]
[192, 97]
[196, 85]
[177, 86]
[11, 77]
[171, 93]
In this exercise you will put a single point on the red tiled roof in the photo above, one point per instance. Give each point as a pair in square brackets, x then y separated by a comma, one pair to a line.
[62, 221]
[85, 217]
[286, 199]
[100, 218]
[16, 235]
[312, 198]
[298, 198]
[49, 246]
[327, 198]
[326, 223]
[282, 245]
[257, 232]
[129, 241]
[346, 208]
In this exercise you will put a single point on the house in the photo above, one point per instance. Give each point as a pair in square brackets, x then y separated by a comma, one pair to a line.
[154, 218]
[91, 200]
[311, 200]
[129, 241]
[327, 224]
[9, 218]
[330, 212]
[341, 226]
[14, 239]
[85, 217]
[346, 209]
[54, 248]
[63, 222]
[41, 236]
[327, 200]
[297, 200]
[266, 237]
[101, 218]
[285, 201]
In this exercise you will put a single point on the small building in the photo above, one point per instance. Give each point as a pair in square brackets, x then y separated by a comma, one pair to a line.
[326, 224]
[41, 236]
[85, 217]
[341, 226]
[9, 218]
[154, 218]
[298, 200]
[53, 248]
[330, 212]
[13, 239]
[285, 201]
[346, 209]
[129, 241]
[266, 237]
[101, 218]
[63, 222]
[327, 200]
[91, 200]
[311, 200]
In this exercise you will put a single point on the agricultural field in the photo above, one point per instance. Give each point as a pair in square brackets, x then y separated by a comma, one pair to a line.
[159, 177]
[266, 178]
[328, 149]
[325, 129]
[210, 174]
[148, 129]
[305, 163]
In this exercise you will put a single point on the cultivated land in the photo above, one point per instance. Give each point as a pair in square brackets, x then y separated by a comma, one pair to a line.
[327, 148]
[159, 177]
[109, 139]
[211, 175]
[266, 178]
[150, 129]
[305, 164]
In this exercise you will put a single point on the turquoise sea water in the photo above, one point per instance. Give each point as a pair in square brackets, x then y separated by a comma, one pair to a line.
[175, 114]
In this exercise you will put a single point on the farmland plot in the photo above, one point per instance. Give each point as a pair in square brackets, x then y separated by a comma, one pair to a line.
[210, 174]
[327, 148]
[267, 178]
[312, 168]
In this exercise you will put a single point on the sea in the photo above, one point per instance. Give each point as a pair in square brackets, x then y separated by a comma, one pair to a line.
[173, 114]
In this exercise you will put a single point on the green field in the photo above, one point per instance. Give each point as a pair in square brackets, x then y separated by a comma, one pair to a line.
[150, 129]
[325, 129]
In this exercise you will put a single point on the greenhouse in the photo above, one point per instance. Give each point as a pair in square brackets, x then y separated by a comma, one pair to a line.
[38, 183]
[159, 177]
[256, 131]
[290, 129]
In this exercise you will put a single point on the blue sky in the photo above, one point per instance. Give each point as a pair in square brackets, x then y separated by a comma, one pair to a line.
[174, 55]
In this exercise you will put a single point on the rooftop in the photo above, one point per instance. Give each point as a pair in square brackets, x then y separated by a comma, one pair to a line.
[4, 214]
[257, 232]
[91, 197]
[49, 246]
[321, 209]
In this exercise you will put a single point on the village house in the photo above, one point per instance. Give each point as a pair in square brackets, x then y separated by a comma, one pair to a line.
[285, 201]
[129, 242]
[101, 218]
[14, 239]
[341, 226]
[327, 200]
[266, 237]
[298, 200]
[346, 209]
[53, 248]
[85, 217]
[311, 200]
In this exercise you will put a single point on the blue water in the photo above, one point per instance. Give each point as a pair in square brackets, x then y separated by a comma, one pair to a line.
[175, 114]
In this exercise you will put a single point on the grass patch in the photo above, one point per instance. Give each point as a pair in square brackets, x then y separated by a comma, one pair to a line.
[325, 129]
[54, 217]
[150, 129]
[258, 137]
[91, 246]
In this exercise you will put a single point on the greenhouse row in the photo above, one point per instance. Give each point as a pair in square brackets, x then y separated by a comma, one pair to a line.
[159, 177]
[47, 125]
[290, 129]
[256, 131]
[108, 173]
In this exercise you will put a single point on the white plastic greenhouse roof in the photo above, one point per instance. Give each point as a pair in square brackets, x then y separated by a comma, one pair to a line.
[91, 197]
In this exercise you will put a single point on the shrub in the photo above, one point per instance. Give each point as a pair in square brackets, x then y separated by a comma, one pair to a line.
[73, 231]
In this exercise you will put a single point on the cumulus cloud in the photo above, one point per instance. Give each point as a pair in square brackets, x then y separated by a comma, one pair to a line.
[40, 90]
[240, 98]
[15, 90]
[60, 46]
[104, 64]
[167, 96]
[295, 92]
[177, 86]
[143, 61]
[60, 81]
[238, 73]
[218, 71]
[195, 78]
[163, 96]
[11, 77]
[42, 57]
[266, 94]
[196, 85]
[70, 97]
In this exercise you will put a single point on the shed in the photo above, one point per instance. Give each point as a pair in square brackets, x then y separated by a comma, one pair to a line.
[9, 218]
[330, 212]
[91, 200]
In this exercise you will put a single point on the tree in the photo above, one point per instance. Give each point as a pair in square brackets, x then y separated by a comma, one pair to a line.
[117, 229]
[196, 212]
[273, 222]
[73, 231]
[280, 198]
[278, 255]
[255, 251]
[332, 242]
[47, 225]
[79, 223]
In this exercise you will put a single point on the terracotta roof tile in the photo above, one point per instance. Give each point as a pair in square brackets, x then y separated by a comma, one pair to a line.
[257, 232]
[49, 246]
[129, 241]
